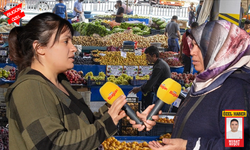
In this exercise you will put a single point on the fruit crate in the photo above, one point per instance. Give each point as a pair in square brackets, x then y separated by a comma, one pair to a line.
[124, 127]
[158, 130]
[154, 31]
[96, 82]
[137, 82]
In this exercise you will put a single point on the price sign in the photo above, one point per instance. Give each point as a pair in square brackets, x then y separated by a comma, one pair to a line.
[145, 70]
[138, 52]
[114, 70]
[123, 54]
[130, 70]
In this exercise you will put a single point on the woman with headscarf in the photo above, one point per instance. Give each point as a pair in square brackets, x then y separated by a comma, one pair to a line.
[221, 53]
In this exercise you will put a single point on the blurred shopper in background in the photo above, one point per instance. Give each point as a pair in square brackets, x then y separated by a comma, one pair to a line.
[120, 12]
[185, 51]
[78, 10]
[129, 11]
[191, 14]
[61, 10]
[247, 26]
[172, 31]
[198, 10]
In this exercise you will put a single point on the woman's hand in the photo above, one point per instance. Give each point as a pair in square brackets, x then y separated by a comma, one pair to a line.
[143, 116]
[170, 144]
[115, 109]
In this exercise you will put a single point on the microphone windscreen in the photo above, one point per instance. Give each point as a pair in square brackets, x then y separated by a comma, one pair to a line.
[169, 91]
[110, 92]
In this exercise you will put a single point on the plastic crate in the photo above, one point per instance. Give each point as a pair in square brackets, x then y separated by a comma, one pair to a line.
[158, 130]
[124, 127]
[154, 31]
[137, 82]
[96, 82]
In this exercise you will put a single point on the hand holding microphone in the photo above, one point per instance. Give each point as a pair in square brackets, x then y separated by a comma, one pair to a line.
[168, 92]
[110, 92]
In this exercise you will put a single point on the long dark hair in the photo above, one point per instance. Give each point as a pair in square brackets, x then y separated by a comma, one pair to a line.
[40, 28]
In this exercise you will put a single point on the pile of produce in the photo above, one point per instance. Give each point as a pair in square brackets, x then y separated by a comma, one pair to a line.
[138, 29]
[75, 77]
[167, 135]
[113, 144]
[88, 29]
[168, 54]
[116, 40]
[115, 58]
[8, 74]
[146, 77]
[121, 80]
[5, 27]
[172, 58]
[184, 79]
[124, 16]
[165, 120]
[158, 24]
[98, 80]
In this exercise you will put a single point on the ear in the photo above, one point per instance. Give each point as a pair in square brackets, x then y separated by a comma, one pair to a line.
[38, 48]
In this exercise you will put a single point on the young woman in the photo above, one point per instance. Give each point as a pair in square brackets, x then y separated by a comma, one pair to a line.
[44, 111]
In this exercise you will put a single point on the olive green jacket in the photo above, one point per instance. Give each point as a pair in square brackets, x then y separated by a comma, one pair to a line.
[42, 117]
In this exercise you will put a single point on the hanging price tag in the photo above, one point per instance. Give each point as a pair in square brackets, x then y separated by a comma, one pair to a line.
[177, 102]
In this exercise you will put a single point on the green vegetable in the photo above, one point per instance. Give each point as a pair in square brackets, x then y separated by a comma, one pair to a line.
[160, 22]
[115, 30]
[136, 29]
[92, 28]
[163, 25]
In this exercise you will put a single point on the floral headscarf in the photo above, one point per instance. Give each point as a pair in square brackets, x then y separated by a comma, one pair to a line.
[225, 48]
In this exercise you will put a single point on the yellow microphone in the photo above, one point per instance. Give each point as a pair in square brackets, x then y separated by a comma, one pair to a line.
[168, 92]
[110, 92]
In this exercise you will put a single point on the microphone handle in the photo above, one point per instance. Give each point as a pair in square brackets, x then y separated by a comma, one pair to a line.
[158, 105]
[130, 112]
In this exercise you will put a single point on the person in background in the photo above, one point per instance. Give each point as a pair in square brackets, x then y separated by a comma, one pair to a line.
[161, 71]
[119, 14]
[199, 10]
[129, 11]
[61, 10]
[220, 51]
[185, 51]
[247, 26]
[44, 111]
[241, 14]
[78, 10]
[172, 31]
[191, 14]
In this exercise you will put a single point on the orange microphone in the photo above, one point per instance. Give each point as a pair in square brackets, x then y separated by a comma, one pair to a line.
[168, 92]
[110, 92]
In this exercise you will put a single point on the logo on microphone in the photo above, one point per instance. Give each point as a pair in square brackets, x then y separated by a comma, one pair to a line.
[163, 87]
[112, 94]
[174, 93]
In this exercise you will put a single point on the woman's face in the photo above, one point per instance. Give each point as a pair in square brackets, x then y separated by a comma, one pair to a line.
[60, 56]
[197, 58]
